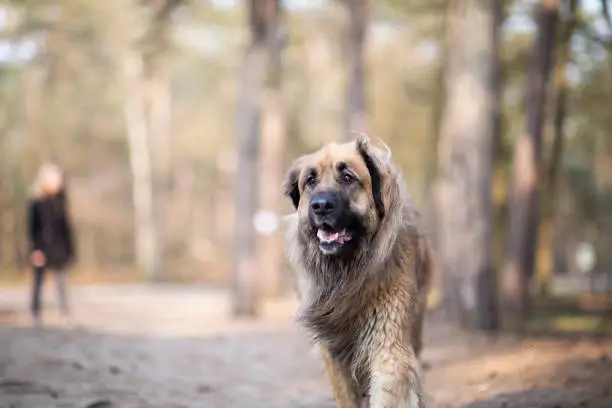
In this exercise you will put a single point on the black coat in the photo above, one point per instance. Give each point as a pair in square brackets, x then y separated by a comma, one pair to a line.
[49, 229]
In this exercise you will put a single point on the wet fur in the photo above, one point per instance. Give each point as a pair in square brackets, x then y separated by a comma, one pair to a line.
[364, 310]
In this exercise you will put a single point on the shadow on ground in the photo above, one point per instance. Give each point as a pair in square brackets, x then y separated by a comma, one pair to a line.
[78, 368]
[546, 397]
[579, 383]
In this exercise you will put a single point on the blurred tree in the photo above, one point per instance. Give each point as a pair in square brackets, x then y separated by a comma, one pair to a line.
[252, 81]
[157, 47]
[137, 131]
[524, 202]
[439, 97]
[552, 207]
[561, 89]
[147, 112]
[273, 147]
[356, 105]
[499, 16]
[465, 231]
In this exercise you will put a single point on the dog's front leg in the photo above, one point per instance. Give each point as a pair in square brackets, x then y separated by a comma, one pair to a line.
[395, 381]
[341, 382]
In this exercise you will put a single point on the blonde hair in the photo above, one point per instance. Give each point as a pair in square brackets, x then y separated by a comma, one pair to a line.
[40, 187]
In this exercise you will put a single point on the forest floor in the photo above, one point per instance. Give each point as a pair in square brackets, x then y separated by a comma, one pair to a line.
[173, 346]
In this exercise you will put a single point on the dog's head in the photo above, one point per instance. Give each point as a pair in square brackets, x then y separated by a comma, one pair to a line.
[342, 194]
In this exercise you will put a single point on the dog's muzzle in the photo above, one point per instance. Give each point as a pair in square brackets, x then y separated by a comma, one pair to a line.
[327, 214]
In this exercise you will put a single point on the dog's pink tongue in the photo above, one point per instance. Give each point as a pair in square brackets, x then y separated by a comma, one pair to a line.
[343, 237]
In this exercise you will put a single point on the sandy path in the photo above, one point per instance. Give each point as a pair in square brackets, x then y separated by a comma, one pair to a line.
[137, 346]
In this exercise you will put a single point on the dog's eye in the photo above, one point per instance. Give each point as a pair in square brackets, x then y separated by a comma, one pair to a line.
[310, 180]
[347, 178]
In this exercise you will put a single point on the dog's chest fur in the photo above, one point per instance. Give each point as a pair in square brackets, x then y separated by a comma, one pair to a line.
[343, 332]
[339, 329]
[350, 321]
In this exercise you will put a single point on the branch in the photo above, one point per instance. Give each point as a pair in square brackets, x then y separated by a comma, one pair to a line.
[585, 30]
[605, 10]
[605, 43]
[155, 39]
[167, 8]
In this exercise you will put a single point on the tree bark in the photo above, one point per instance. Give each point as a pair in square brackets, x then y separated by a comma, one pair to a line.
[437, 113]
[156, 44]
[273, 142]
[560, 112]
[140, 161]
[431, 165]
[465, 157]
[356, 119]
[33, 79]
[244, 262]
[496, 77]
[159, 128]
[558, 143]
[524, 196]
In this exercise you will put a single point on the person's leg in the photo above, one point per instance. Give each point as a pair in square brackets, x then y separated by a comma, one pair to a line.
[61, 279]
[37, 284]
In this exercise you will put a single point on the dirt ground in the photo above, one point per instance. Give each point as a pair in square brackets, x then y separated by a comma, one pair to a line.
[171, 347]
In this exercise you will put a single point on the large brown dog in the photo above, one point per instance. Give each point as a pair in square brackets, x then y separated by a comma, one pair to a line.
[363, 268]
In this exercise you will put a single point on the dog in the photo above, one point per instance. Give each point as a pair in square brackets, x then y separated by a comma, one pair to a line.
[363, 267]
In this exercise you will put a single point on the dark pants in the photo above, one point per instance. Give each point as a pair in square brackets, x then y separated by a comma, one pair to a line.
[61, 282]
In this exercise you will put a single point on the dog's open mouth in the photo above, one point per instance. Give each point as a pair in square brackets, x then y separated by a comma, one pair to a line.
[333, 236]
[331, 241]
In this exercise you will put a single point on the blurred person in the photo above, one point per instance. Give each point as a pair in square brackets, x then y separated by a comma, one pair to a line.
[50, 237]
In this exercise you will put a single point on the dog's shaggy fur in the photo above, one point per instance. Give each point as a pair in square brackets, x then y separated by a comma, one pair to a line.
[364, 305]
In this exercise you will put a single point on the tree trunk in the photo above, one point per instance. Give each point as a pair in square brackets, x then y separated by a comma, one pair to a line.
[437, 113]
[431, 165]
[558, 143]
[140, 161]
[524, 197]
[356, 105]
[160, 130]
[465, 156]
[33, 79]
[561, 99]
[273, 142]
[496, 78]
[156, 43]
[244, 262]
[224, 202]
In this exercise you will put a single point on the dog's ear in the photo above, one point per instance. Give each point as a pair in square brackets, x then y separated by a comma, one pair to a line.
[372, 164]
[290, 185]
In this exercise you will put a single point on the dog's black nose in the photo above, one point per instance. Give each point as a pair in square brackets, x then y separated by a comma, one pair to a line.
[323, 203]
